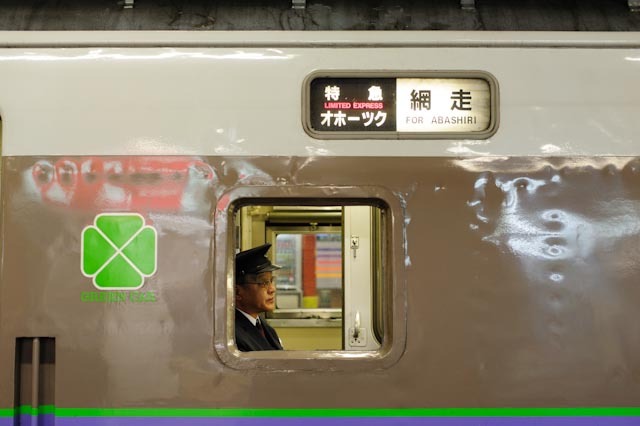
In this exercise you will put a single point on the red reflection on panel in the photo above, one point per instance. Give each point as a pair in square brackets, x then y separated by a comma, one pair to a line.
[131, 183]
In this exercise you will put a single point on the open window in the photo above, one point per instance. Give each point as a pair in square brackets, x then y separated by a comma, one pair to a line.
[340, 292]
[329, 290]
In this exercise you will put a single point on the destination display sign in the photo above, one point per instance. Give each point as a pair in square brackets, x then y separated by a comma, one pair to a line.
[397, 107]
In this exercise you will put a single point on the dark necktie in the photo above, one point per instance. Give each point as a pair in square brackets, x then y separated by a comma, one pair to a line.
[260, 328]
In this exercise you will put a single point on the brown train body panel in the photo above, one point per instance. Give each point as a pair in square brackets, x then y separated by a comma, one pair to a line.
[522, 285]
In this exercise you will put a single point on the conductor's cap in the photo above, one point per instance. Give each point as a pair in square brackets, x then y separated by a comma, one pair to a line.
[254, 261]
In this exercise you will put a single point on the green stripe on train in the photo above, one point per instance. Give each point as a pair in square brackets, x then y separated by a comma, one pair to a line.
[27, 409]
[324, 412]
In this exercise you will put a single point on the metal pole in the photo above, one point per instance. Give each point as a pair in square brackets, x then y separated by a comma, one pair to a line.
[35, 373]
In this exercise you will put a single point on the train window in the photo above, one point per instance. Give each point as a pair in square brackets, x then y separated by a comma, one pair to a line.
[311, 274]
[325, 285]
[333, 289]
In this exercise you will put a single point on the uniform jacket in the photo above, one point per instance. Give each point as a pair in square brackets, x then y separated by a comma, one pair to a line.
[248, 338]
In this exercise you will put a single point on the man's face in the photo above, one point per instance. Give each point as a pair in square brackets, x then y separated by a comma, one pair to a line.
[254, 297]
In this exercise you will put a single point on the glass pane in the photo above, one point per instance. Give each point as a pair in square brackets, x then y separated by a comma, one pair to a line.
[288, 255]
[328, 277]
[311, 274]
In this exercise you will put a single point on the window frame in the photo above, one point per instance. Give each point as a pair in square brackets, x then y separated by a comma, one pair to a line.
[394, 309]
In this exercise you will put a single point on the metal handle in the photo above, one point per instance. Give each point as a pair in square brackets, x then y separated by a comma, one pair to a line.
[356, 326]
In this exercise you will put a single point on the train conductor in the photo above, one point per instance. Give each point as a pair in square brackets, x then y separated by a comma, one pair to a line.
[255, 293]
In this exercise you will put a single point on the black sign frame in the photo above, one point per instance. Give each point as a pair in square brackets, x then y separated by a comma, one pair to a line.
[307, 121]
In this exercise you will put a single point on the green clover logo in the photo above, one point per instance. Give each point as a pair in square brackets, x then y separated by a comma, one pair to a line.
[118, 251]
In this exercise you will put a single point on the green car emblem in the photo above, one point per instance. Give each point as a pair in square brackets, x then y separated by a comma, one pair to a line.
[118, 251]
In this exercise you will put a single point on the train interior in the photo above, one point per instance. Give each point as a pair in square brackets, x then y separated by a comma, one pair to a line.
[330, 287]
